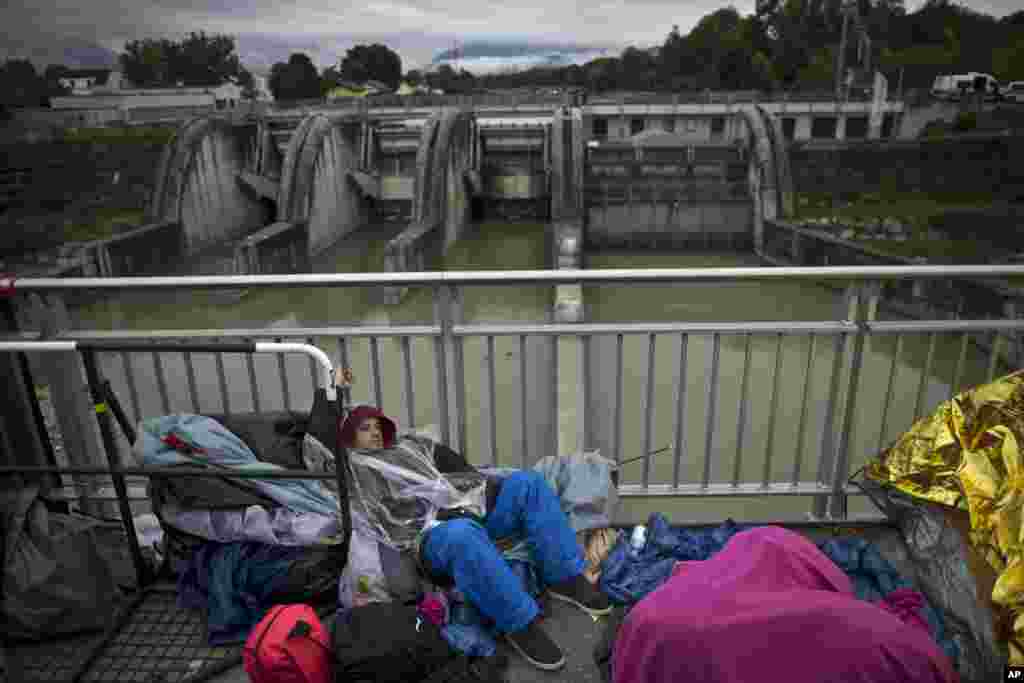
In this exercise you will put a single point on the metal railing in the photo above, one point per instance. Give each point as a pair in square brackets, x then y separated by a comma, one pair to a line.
[104, 402]
[835, 349]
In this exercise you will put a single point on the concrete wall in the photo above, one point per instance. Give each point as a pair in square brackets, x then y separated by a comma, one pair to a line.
[664, 190]
[532, 186]
[277, 248]
[128, 101]
[567, 164]
[442, 192]
[662, 224]
[197, 185]
[156, 249]
[315, 187]
[695, 123]
[441, 205]
[786, 244]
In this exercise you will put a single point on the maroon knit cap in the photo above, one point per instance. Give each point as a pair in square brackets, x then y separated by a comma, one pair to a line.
[356, 416]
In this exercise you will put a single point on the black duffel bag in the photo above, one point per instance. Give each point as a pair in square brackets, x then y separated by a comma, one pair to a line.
[389, 642]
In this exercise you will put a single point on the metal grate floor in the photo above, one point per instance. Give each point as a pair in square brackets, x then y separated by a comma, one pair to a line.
[160, 643]
[157, 643]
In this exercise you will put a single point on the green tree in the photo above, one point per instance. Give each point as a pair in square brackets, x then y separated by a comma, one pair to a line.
[204, 60]
[451, 81]
[295, 80]
[247, 83]
[329, 80]
[819, 74]
[197, 60]
[372, 63]
[20, 85]
[147, 62]
[1008, 61]
[638, 70]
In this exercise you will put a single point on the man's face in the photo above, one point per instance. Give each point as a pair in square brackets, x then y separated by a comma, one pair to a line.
[369, 434]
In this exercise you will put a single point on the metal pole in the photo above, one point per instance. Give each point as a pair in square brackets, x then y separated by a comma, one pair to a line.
[838, 500]
[44, 447]
[110, 446]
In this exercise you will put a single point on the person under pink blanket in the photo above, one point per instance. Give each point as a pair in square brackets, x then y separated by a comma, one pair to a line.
[771, 606]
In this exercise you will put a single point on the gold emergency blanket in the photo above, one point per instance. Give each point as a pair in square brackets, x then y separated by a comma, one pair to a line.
[967, 455]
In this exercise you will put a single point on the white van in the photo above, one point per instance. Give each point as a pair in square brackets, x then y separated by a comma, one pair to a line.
[1014, 91]
[953, 86]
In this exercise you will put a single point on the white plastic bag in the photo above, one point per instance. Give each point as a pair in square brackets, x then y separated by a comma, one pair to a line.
[363, 580]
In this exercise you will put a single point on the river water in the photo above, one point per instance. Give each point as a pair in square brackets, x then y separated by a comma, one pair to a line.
[521, 246]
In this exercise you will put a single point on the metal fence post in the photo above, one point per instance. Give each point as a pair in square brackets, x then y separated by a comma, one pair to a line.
[458, 367]
[102, 412]
[69, 395]
[24, 439]
[448, 313]
[1015, 348]
[848, 311]
[442, 312]
[841, 466]
[585, 405]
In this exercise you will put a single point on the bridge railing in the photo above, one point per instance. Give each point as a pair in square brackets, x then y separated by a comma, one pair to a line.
[748, 408]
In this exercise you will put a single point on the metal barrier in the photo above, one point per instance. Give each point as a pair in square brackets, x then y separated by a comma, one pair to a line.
[104, 403]
[854, 330]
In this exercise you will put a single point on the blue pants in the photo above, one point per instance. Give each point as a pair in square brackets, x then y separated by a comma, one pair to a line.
[463, 550]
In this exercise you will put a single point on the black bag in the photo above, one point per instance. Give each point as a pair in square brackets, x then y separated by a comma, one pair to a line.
[53, 580]
[387, 643]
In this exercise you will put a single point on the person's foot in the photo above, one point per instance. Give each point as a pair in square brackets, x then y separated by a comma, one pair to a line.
[580, 592]
[537, 647]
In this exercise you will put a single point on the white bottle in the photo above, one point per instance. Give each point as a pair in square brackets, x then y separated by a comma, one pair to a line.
[639, 538]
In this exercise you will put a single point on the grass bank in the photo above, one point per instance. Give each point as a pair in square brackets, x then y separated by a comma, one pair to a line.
[102, 224]
[947, 228]
[119, 134]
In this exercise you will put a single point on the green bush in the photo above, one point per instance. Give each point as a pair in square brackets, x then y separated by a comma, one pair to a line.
[965, 122]
[933, 129]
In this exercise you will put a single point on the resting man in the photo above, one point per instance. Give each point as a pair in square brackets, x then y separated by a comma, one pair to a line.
[462, 549]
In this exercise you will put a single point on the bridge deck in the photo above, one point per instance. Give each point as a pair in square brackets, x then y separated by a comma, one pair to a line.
[575, 631]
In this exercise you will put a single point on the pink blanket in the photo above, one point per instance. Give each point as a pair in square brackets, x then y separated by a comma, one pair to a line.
[770, 606]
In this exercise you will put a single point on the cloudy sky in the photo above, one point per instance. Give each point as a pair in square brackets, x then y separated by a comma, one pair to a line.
[417, 29]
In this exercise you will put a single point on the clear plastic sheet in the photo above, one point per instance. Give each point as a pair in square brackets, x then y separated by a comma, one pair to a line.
[363, 580]
[398, 491]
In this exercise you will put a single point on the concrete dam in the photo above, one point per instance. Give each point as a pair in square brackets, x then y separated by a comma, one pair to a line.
[270, 196]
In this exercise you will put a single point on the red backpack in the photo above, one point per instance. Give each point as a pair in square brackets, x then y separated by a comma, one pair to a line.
[289, 645]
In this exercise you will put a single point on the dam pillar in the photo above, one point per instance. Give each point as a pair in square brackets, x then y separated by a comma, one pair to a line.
[317, 187]
[197, 184]
[567, 231]
[771, 183]
[446, 178]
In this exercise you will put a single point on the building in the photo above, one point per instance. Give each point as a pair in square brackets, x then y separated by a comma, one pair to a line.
[87, 81]
[227, 95]
[222, 97]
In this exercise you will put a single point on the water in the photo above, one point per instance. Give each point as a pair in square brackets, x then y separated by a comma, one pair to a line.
[734, 451]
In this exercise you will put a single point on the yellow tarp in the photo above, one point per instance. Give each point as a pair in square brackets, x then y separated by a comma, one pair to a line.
[967, 455]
